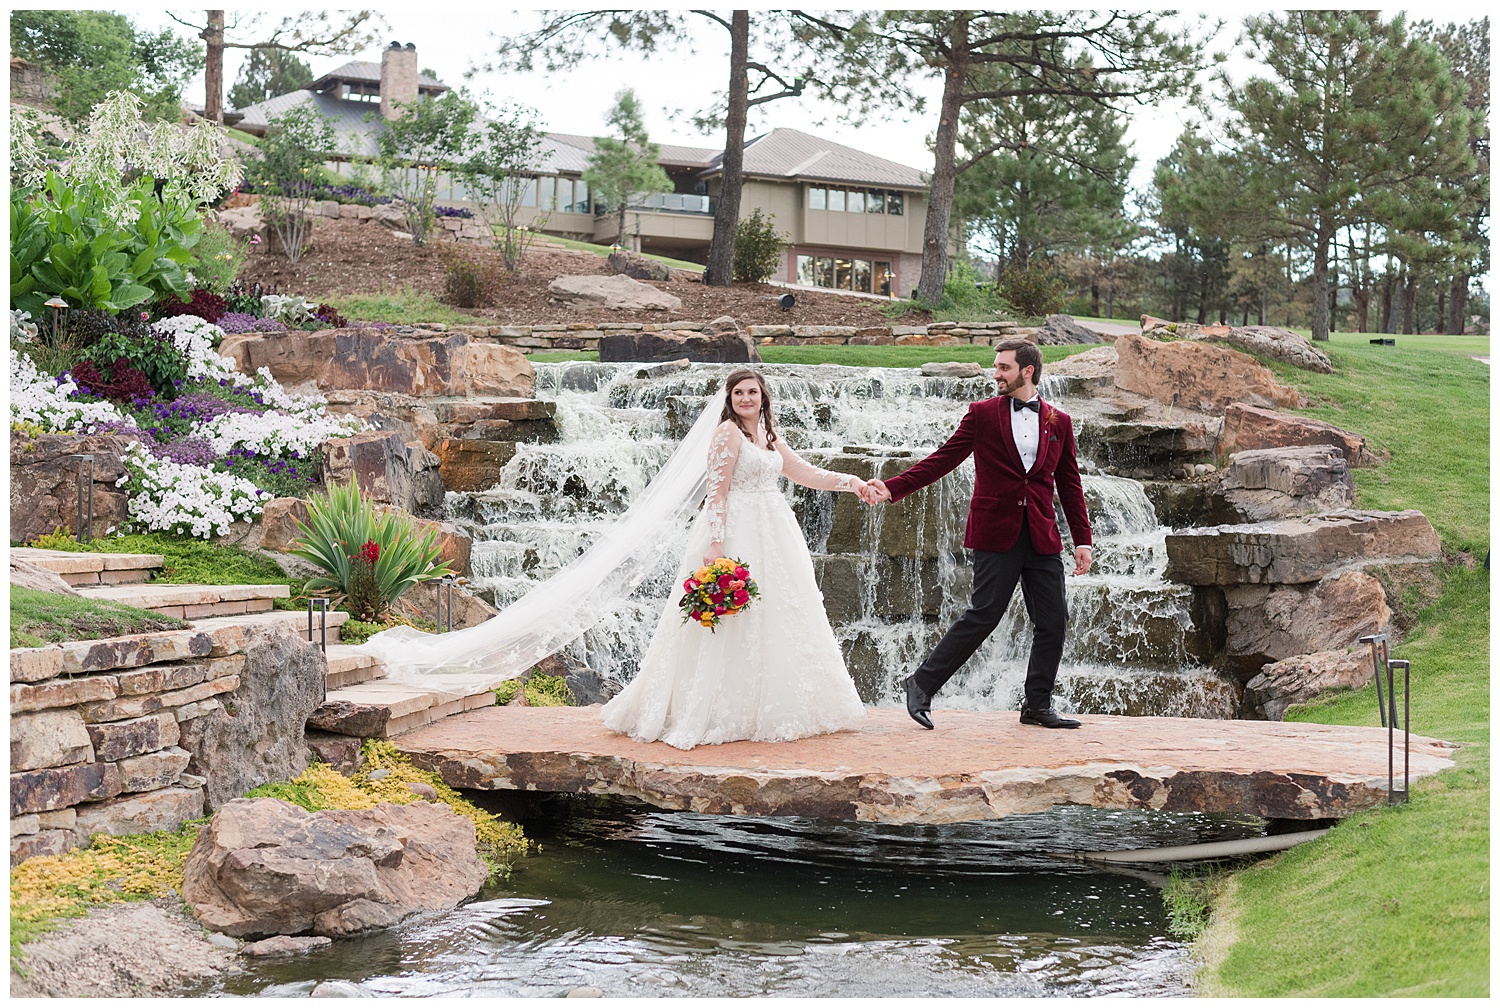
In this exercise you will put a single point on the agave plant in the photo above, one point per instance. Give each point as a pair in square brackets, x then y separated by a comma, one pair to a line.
[371, 557]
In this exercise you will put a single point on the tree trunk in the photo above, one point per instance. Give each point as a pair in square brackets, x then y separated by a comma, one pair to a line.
[720, 271]
[1393, 313]
[213, 68]
[1385, 302]
[1109, 298]
[1442, 311]
[619, 228]
[1265, 298]
[944, 171]
[1320, 283]
[1094, 296]
[1409, 307]
[1458, 304]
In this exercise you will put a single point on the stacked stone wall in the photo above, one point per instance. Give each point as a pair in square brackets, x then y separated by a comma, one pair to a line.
[100, 733]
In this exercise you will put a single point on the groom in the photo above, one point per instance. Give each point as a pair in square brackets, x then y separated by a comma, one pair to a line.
[1021, 447]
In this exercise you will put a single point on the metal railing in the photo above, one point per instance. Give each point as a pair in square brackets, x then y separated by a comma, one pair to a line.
[684, 203]
[322, 604]
[1385, 696]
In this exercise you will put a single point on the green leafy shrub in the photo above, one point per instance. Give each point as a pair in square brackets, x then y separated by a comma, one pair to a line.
[470, 279]
[541, 691]
[341, 528]
[218, 258]
[159, 359]
[1035, 288]
[757, 248]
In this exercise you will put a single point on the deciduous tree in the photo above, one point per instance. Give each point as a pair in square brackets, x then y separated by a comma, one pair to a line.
[507, 152]
[428, 138]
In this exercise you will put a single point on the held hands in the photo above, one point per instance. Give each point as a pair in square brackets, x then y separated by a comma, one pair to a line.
[1083, 559]
[874, 492]
[715, 551]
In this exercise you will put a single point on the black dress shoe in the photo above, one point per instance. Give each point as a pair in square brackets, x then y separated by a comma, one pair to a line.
[918, 704]
[1048, 718]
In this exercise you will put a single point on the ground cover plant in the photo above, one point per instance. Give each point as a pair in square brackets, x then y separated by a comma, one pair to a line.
[184, 560]
[38, 618]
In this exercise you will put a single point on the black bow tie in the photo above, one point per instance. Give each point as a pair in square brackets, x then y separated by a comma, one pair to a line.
[1035, 406]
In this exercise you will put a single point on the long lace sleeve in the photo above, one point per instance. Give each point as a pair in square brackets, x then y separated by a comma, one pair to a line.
[723, 453]
[798, 470]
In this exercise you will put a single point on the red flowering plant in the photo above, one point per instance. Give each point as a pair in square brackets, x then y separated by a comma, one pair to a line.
[364, 587]
[722, 588]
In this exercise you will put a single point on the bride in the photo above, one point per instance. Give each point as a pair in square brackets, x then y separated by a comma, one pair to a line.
[772, 672]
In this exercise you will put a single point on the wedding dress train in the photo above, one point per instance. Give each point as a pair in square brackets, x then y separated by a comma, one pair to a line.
[770, 673]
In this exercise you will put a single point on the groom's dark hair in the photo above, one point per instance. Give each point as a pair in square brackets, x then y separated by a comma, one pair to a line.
[1027, 355]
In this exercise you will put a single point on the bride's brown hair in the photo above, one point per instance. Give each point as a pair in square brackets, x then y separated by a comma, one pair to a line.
[735, 377]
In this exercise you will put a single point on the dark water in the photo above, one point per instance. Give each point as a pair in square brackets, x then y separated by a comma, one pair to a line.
[641, 903]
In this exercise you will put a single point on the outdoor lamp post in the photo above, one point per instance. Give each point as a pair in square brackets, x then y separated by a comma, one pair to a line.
[615, 247]
[56, 304]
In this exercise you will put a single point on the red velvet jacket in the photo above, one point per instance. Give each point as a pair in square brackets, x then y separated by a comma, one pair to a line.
[1002, 489]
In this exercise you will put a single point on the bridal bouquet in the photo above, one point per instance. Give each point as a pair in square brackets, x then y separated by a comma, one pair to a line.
[720, 589]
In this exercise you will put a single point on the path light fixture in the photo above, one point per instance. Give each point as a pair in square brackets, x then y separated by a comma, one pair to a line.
[787, 302]
[615, 247]
[85, 530]
[322, 622]
[445, 587]
[56, 303]
[1385, 696]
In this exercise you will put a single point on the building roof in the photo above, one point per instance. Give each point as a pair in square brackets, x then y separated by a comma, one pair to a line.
[360, 70]
[792, 154]
[355, 134]
[672, 155]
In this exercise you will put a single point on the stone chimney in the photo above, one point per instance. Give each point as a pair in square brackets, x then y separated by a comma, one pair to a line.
[398, 79]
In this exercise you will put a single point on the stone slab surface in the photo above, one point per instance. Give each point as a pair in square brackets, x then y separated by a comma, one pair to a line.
[157, 596]
[64, 562]
[975, 766]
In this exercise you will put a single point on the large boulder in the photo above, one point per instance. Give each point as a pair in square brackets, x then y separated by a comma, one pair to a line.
[388, 470]
[611, 293]
[1278, 483]
[1249, 427]
[723, 348]
[1268, 623]
[24, 574]
[255, 734]
[1061, 329]
[1268, 341]
[264, 866]
[1196, 376]
[1296, 680]
[638, 267]
[441, 365]
[1299, 550]
[44, 482]
[431, 419]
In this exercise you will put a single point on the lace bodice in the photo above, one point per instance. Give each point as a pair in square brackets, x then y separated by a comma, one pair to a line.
[735, 465]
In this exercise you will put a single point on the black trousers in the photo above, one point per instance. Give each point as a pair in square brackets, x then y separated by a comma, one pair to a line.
[995, 577]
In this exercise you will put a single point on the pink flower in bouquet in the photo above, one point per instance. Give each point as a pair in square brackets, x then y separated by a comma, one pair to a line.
[724, 580]
[690, 585]
[741, 597]
[735, 586]
[695, 615]
[716, 597]
[718, 610]
[741, 574]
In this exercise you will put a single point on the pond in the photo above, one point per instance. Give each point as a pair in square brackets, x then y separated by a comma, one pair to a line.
[643, 903]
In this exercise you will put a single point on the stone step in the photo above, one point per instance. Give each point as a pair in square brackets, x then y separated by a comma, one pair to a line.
[189, 601]
[93, 568]
[347, 667]
[382, 709]
[292, 619]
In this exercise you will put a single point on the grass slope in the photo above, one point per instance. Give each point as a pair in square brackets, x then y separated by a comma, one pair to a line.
[185, 560]
[38, 618]
[1394, 902]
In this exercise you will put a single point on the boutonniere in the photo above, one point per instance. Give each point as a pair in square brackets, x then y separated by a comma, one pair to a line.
[1049, 414]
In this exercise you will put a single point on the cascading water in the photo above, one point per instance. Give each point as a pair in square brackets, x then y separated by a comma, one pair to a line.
[893, 577]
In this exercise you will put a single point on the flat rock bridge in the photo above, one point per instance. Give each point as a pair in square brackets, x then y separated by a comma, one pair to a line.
[974, 766]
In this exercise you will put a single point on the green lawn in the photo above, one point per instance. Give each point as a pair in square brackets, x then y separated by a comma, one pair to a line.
[605, 250]
[38, 618]
[1393, 902]
[406, 308]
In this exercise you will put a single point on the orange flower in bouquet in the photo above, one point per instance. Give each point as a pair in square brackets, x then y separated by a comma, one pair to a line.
[722, 588]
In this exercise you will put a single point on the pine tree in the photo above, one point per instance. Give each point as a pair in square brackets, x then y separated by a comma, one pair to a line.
[266, 74]
[623, 170]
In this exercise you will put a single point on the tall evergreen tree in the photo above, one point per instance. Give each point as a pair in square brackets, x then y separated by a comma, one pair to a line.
[623, 170]
[1350, 114]
[266, 74]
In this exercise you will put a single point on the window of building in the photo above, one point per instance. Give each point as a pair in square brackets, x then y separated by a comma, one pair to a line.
[823, 272]
[528, 192]
[817, 198]
[875, 202]
[894, 203]
[843, 274]
[856, 201]
[883, 278]
[805, 270]
[862, 275]
[581, 196]
[836, 199]
[548, 197]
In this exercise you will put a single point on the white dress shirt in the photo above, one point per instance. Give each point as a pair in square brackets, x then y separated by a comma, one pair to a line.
[1025, 426]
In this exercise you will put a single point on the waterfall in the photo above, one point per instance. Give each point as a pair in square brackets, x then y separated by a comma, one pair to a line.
[893, 577]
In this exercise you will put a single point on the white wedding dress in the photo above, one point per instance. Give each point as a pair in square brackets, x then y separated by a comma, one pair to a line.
[772, 672]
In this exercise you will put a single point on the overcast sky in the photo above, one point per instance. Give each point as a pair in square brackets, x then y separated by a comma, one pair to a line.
[452, 38]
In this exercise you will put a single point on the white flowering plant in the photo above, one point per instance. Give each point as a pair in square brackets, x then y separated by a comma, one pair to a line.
[167, 496]
[206, 456]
